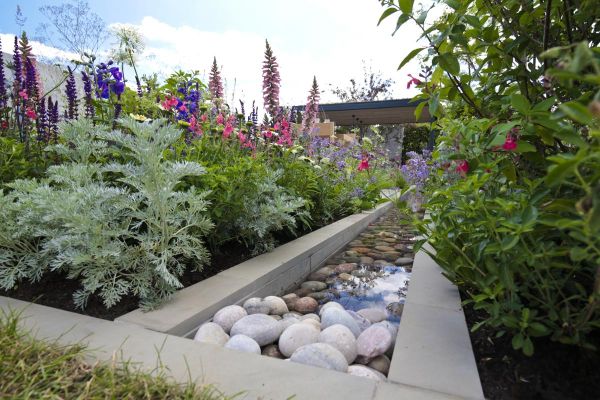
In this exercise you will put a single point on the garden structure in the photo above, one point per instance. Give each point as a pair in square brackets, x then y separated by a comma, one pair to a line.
[159, 225]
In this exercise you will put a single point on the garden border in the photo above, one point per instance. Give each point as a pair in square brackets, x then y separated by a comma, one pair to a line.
[267, 274]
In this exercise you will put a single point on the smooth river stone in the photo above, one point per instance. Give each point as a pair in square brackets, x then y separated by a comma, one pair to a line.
[302, 292]
[404, 261]
[333, 316]
[320, 296]
[381, 364]
[211, 333]
[243, 343]
[374, 341]
[290, 299]
[345, 277]
[361, 250]
[306, 305]
[276, 304]
[366, 372]
[373, 314]
[297, 336]
[329, 305]
[362, 322]
[227, 316]
[287, 322]
[342, 338]
[366, 260]
[389, 240]
[311, 316]
[320, 355]
[256, 305]
[314, 286]
[351, 253]
[395, 308]
[313, 323]
[346, 267]
[384, 248]
[317, 276]
[260, 327]
[381, 263]
[272, 350]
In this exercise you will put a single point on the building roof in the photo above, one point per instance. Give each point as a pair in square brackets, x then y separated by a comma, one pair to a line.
[399, 111]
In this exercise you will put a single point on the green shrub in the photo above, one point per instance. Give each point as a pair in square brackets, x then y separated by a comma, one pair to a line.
[120, 228]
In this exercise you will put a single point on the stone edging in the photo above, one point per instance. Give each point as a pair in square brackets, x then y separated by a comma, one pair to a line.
[268, 274]
[433, 348]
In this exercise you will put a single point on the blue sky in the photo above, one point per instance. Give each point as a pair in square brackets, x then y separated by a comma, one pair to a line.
[326, 38]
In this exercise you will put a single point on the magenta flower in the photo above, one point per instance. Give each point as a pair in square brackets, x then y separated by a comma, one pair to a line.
[413, 81]
[462, 167]
[220, 119]
[228, 129]
[510, 143]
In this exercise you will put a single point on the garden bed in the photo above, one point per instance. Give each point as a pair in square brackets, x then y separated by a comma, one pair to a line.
[554, 372]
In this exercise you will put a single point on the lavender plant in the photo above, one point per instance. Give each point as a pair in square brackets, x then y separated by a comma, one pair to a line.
[416, 171]
[71, 93]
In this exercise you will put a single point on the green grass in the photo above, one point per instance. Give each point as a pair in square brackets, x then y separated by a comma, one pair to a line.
[34, 369]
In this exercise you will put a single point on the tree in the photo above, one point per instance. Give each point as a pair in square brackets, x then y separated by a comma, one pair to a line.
[72, 27]
[373, 87]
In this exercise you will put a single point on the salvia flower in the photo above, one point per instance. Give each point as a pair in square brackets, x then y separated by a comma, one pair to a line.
[71, 92]
[31, 81]
[2, 80]
[413, 81]
[510, 142]
[87, 89]
[462, 167]
[18, 67]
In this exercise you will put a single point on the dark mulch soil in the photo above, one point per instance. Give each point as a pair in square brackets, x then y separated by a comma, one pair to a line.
[55, 290]
[555, 371]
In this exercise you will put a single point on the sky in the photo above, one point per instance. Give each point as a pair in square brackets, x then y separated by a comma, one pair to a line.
[330, 39]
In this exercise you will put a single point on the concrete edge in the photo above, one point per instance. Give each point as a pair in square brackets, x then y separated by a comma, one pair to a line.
[252, 376]
[433, 338]
[267, 274]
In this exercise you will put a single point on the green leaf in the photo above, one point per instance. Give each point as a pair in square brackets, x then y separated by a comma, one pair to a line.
[545, 104]
[386, 14]
[509, 242]
[559, 172]
[520, 103]
[410, 56]
[528, 347]
[419, 110]
[455, 4]
[517, 341]
[524, 147]
[406, 6]
[577, 112]
[401, 21]
[449, 63]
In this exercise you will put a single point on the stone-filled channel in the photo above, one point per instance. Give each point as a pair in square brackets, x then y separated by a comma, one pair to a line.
[345, 315]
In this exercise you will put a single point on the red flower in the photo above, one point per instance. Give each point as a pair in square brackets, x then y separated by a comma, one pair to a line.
[30, 113]
[462, 167]
[510, 143]
[169, 102]
[364, 164]
[4, 125]
[412, 81]
[220, 119]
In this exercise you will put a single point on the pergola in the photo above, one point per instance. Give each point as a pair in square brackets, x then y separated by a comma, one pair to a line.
[380, 112]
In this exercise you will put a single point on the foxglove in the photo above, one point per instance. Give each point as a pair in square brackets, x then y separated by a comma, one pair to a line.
[271, 82]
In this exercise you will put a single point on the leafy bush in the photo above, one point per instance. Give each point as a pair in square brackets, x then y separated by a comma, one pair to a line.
[120, 228]
[515, 203]
[416, 138]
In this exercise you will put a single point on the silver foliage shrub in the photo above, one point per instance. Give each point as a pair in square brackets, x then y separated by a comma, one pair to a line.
[120, 228]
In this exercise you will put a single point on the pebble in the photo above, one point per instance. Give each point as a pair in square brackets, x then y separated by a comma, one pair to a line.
[256, 305]
[297, 336]
[333, 316]
[290, 299]
[314, 286]
[342, 338]
[272, 350]
[260, 327]
[366, 372]
[374, 341]
[243, 343]
[276, 305]
[306, 305]
[366, 260]
[384, 248]
[373, 314]
[346, 267]
[211, 333]
[329, 305]
[345, 277]
[227, 316]
[381, 364]
[313, 323]
[311, 316]
[362, 322]
[320, 296]
[396, 308]
[403, 261]
[320, 355]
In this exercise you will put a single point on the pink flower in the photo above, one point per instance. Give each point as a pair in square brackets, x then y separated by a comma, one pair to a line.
[183, 108]
[510, 143]
[413, 81]
[203, 118]
[227, 131]
[267, 134]
[462, 167]
[276, 126]
[23, 94]
[169, 102]
[220, 119]
[30, 113]
[241, 137]
[364, 164]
